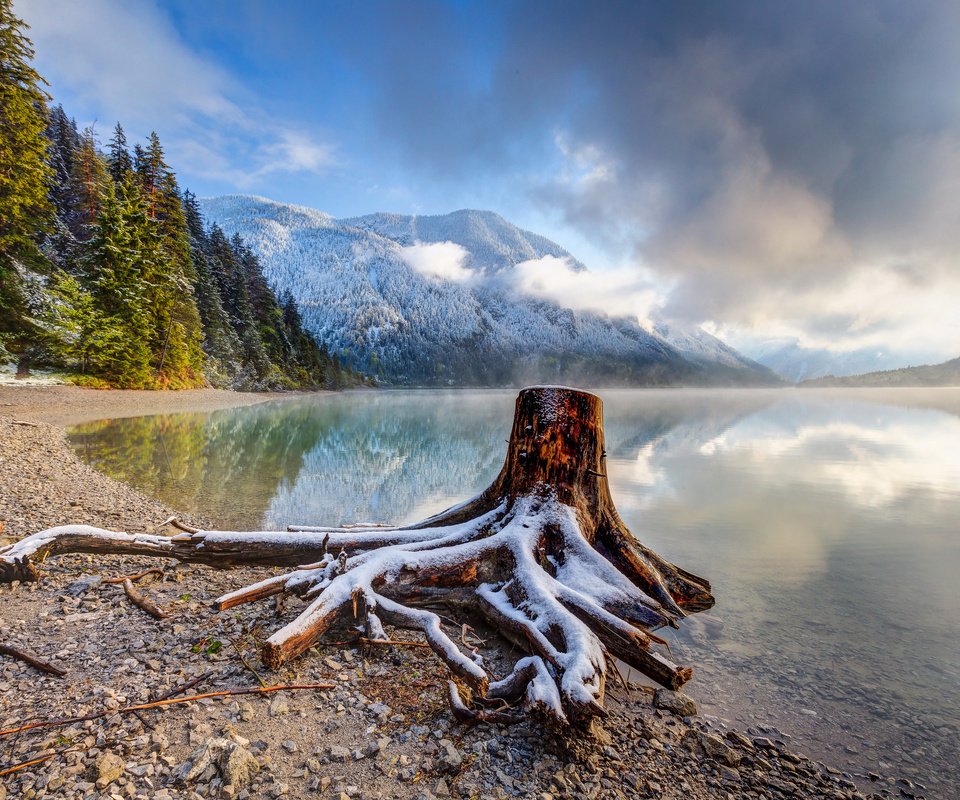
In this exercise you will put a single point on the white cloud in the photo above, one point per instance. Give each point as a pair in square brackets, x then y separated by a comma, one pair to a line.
[621, 292]
[126, 61]
[443, 260]
[878, 307]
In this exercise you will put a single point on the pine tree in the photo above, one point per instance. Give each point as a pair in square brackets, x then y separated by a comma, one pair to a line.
[117, 350]
[220, 342]
[64, 143]
[88, 176]
[175, 329]
[232, 285]
[61, 246]
[25, 210]
[120, 161]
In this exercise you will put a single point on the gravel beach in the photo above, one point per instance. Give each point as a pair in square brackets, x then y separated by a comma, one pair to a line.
[383, 731]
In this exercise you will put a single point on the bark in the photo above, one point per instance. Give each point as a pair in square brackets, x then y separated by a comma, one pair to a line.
[541, 556]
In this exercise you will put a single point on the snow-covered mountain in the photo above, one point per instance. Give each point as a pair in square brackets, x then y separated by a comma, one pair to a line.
[429, 300]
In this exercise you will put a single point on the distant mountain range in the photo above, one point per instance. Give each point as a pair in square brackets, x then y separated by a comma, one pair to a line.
[945, 374]
[798, 363]
[433, 300]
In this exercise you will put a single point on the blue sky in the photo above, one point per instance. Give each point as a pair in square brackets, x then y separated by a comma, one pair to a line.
[775, 171]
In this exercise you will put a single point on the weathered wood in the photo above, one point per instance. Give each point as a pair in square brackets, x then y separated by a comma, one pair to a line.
[141, 601]
[541, 556]
[7, 649]
[136, 576]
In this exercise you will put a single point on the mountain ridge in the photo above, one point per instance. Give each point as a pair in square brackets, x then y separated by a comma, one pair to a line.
[946, 373]
[363, 295]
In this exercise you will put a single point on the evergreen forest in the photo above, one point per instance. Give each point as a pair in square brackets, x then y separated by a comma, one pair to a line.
[108, 270]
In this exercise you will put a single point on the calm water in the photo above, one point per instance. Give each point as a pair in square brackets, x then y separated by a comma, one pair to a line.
[828, 523]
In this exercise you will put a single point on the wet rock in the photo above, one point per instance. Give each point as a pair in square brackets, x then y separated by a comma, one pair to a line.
[711, 746]
[675, 702]
[738, 738]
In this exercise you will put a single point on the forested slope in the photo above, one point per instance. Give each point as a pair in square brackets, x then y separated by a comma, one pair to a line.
[107, 270]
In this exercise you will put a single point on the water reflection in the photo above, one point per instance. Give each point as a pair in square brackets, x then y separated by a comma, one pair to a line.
[827, 523]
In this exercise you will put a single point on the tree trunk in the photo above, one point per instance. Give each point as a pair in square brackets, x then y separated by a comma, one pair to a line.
[23, 365]
[541, 555]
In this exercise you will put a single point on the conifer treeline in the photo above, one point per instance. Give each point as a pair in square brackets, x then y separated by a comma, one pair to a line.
[106, 267]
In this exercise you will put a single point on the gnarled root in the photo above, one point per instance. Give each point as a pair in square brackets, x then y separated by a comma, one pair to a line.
[541, 556]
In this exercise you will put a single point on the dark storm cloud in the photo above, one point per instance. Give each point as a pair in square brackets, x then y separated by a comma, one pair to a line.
[747, 149]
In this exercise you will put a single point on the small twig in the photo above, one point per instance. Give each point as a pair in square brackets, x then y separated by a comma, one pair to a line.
[24, 422]
[465, 631]
[246, 663]
[184, 686]
[619, 674]
[597, 474]
[32, 660]
[56, 723]
[365, 640]
[181, 526]
[135, 577]
[26, 764]
[143, 602]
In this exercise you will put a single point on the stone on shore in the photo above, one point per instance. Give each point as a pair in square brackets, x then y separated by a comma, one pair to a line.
[675, 702]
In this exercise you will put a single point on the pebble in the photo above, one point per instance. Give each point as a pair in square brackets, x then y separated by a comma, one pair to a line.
[109, 767]
[675, 702]
[279, 706]
[339, 754]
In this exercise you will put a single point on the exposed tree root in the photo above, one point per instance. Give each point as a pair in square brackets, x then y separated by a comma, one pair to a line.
[541, 556]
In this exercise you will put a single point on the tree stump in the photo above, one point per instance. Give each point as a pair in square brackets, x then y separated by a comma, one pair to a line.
[541, 555]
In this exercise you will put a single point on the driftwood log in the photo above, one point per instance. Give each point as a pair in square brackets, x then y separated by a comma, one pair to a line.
[541, 556]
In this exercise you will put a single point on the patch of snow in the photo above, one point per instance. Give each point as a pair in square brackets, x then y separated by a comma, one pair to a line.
[37, 377]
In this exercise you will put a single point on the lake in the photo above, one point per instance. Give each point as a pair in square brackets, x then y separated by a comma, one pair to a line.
[828, 523]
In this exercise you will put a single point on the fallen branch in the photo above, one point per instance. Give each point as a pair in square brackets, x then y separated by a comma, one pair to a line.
[142, 601]
[32, 660]
[136, 576]
[57, 723]
[24, 423]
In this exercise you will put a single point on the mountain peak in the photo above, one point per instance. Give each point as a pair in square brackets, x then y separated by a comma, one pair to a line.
[387, 314]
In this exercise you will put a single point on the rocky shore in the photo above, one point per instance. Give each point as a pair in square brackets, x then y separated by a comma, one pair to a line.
[383, 731]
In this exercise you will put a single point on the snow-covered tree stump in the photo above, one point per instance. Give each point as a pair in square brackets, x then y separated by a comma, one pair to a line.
[541, 556]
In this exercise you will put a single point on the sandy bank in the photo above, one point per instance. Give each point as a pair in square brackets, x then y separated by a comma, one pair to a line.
[70, 405]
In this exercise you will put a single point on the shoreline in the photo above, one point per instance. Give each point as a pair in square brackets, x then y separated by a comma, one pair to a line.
[64, 405]
[388, 707]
